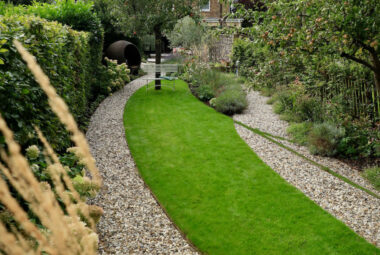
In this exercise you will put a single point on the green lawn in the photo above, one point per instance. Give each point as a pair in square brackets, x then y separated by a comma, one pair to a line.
[217, 190]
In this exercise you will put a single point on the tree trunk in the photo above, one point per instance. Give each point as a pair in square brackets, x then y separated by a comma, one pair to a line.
[158, 43]
[376, 72]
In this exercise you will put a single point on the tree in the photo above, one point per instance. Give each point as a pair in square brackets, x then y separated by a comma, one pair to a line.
[348, 29]
[186, 33]
[141, 17]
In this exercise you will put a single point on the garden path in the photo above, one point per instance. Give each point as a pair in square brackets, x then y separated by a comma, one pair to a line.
[133, 222]
[356, 208]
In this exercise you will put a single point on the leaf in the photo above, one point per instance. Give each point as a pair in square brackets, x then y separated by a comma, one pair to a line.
[1, 61]
[25, 91]
[3, 50]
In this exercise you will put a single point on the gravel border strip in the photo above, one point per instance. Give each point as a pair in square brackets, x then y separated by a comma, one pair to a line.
[133, 221]
[260, 115]
[280, 142]
[357, 209]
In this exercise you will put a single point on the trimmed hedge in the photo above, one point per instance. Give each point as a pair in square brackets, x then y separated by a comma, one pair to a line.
[80, 16]
[65, 56]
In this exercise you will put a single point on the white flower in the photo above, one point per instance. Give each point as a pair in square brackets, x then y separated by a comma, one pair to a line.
[35, 167]
[32, 152]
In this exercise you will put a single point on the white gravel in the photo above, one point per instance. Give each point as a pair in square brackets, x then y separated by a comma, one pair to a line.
[133, 222]
[357, 209]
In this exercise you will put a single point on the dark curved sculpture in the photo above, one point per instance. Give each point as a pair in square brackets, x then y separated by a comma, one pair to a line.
[125, 52]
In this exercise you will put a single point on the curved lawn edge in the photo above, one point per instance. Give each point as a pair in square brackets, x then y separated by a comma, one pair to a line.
[216, 189]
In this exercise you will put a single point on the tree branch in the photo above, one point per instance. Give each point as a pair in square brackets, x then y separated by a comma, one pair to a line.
[358, 60]
[365, 46]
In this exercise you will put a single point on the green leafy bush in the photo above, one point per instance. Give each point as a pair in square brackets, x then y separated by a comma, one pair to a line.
[244, 52]
[373, 175]
[65, 57]
[324, 139]
[117, 75]
[300, 132]
[308, 108]
[230, 101]
[359, 141]
[79, 15]
[204, 92]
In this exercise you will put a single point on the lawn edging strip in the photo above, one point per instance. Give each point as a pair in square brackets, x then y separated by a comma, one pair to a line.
[271, 137]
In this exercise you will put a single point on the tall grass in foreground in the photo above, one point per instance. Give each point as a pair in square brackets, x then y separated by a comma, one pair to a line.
[65, 223]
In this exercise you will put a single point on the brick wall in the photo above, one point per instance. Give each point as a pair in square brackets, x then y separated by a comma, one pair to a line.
[215, 10]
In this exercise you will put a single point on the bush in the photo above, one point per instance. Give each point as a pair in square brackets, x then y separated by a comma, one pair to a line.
[79, 15]
[116, 75]
[300, 132]
[65, 55]
[230, 102]
[204, 92]
[244, 52]
[373, 175]
[359, 140]
[308, 108]
[324, 139]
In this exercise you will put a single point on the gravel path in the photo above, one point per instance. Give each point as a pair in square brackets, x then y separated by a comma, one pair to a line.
[133, 221]
[357, 209]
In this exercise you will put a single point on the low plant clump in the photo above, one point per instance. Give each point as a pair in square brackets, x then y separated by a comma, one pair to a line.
[221, 91]
[373, 175]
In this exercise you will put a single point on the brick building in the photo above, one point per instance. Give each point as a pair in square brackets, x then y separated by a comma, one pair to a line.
[213, 13]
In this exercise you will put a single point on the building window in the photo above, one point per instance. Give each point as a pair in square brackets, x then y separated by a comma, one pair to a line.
[206, 7]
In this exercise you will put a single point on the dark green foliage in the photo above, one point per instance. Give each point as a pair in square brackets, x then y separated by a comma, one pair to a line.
[244, 52]
[76, 14]
[71, 59]
[373, 175]
[324, 139]
[204, 92]
[64, 56]
[358, 140]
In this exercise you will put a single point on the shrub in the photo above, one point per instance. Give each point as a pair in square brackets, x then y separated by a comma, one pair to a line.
[79, 15]
[300, 132]
[204, 92]
[324, 139]
[290, 116]
[278, 107]
[231, 101]
[223, 90]
[308, 108]
[64, 54]
[244, 52]
[373, 175]
[116, 75]
[359, 140]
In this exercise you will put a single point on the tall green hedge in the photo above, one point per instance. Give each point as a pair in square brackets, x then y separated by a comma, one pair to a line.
[65, 56]
[79, 15]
